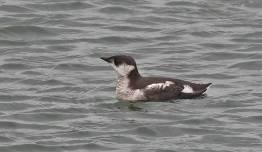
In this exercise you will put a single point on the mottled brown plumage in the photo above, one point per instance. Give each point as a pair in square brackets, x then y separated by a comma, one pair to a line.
[132, 86]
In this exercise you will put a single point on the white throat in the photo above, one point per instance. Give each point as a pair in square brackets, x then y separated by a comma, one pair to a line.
[123, 69]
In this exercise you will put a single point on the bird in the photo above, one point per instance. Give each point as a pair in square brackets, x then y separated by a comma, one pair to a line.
[132, 86]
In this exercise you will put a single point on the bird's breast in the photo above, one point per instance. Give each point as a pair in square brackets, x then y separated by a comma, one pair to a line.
[124, 92]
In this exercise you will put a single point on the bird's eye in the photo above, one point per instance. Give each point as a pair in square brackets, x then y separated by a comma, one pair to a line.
[117, 62]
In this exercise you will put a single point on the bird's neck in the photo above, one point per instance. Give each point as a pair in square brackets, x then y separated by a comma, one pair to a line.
[133, 75]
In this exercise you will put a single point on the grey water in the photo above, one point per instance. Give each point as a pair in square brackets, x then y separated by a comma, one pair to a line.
[57, 95]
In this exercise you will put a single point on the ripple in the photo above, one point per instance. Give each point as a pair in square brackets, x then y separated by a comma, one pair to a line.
[126, 2]
[35, 73]
[26, 147]
[231, 141]
[15, 66]
[218, 56]
[12, 43]
[19, 125]
[145, 131]
[57, 95]
[204, 34]
[131, 28]
[248, 65]
[218, 45]
[122, 139]
[25, 32]
[15, 97]
[182, 3]
[44, 117]
[244, 40]
[253, 4]
[74, 67]
[202, 121]
[4, 139]
[62, 6]
[51, 82]
[219, 76]
[118, 40]
[116, 10]
[15, 106]
[254, 119]
[161, 150]
[63, 89]
[14, 9]
[227, 103]
[8, 79]
[41, 147]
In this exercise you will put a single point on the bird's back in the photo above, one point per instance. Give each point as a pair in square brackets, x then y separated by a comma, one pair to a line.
[168, 88]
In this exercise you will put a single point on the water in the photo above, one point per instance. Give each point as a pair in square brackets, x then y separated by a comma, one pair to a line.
[57, 95]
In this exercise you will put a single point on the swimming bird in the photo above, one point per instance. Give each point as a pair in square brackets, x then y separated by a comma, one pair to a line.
[134, 87]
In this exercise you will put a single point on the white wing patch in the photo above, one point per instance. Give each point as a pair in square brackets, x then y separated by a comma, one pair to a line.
[160, 85]
[187, 89]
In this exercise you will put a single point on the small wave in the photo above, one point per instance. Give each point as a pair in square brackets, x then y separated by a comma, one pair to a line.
[219, 76]
[247, 40]
[123, 139]
[51, 82]
[253, 4]
[126, 2]
[218, 45]
[132, 29]
[227, 103]
[67, 110]
[249, 65]
[15, 97]
[27, 147]
[256, 35]
[230, 140]
[15, 9]
[4, 139]
[182, 3]
[219, 56]
[21, 125]
[31, 73]
[25, 32]
[201, 121]
[15, 106]
[252, 119]
[73, 67]
[63, 90]
[145, 131]
[61, 6]
[118, 40]
[44, 117]
[116, 10]
[12, 43]
[8, 79]
[14, 66]
[204, 34]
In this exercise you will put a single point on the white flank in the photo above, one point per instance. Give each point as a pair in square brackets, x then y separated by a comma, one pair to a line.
[159, 85]
[187, 89]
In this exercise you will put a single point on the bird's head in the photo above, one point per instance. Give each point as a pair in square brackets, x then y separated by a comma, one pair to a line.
[124, 65]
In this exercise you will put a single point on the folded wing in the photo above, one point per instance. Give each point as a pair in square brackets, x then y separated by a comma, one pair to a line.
[162, 91]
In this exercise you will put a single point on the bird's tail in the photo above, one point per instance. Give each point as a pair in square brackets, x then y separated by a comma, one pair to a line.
[197, 90]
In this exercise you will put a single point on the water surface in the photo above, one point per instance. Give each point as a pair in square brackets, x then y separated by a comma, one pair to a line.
[57, 95]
